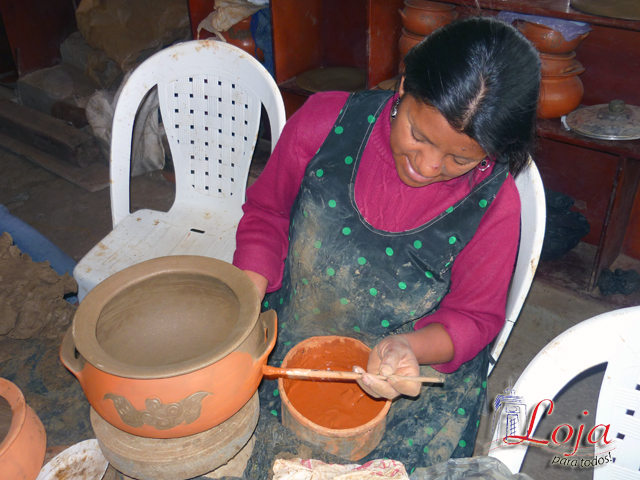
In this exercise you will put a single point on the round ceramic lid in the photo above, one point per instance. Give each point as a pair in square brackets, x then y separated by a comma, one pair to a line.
[613, 121]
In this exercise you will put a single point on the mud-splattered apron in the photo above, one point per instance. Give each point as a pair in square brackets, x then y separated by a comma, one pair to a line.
[344, 277]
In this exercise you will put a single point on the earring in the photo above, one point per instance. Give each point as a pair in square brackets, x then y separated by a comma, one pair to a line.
[483, 165]
[394, 109]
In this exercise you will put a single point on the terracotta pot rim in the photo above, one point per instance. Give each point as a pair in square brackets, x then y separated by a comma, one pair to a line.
[14, 396]
[84, 331]
[329, 432]
[409, 34]
[557, 56]
[442, 7]
[578, 70]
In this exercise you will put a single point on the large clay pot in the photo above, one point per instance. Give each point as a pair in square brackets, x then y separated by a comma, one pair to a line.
[407, 41]
[422, 17]
[23, 441]
[561, 64]
[547, 40]
[170, 347]
[559, 95]
[337, 416]
[240, 36]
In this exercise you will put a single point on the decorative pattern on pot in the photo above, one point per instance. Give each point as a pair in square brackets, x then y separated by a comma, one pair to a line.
[170, 347]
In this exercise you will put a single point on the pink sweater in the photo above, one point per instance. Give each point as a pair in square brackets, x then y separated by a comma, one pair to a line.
[474, 311]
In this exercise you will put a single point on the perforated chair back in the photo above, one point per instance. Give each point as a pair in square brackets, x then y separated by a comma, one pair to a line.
[211, 95]
[533, 217]
[612, 338]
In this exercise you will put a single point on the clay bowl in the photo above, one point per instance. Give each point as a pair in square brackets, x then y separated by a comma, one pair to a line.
[560, 64]
[559, 95]
[170, 347]
[547, 40]
[407, 41]
[337, 416]
[23, 441]
[422, 17]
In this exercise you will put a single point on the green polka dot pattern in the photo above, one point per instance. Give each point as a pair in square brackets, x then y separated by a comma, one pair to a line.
[356, 328]
[317, 244]
[319, 173]
[331, 272]
[384, 323]
[346, 231]
[362, 260]
[332, 203]
[276, 392]
[461, 411]
[316, 311]
[348, 160]
[373, 291]
[410, 442]
[452, 240]
[449, 210]
[339, 130]
[484, 384]
[417, 244]
[389, 251]
[462, 443]
[296, 316]
[344, 301]
[274, 413]
[371, 119]
[426, 449]
[482, 203]
[402, 286]
[306, 215]
[429, 430]
[428, 274]
[266, 304]
[305, 281]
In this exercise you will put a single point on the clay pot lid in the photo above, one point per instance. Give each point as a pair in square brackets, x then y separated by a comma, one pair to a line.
[613, 121]
[166, 317]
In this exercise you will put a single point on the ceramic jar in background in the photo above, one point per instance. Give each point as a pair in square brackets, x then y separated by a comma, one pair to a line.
[407, 41]
[547, 40]
[23, 448]
[421, 17]
[240, 36]
[560, 64]
[560, 94]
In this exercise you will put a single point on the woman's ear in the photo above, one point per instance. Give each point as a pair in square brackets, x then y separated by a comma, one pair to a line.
[401, 87]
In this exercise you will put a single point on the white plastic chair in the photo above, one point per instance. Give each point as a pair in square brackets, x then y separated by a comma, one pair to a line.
[210, 97]
[533, 215]
[612, 338]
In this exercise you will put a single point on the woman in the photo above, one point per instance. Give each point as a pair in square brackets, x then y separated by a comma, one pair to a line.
[394, 219]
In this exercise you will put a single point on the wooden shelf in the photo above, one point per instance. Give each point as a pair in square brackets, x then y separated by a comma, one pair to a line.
[547, 8]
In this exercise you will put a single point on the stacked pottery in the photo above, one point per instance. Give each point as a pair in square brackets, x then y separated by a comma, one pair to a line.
[420, 18]
[561, 90]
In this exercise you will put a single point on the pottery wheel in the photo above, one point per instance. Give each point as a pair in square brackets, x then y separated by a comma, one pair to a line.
[176, 458]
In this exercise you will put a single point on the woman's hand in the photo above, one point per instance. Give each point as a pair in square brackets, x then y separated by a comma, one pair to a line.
[392, 356]
[260, 282]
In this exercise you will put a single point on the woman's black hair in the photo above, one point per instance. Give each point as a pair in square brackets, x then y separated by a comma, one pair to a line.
[483, 76]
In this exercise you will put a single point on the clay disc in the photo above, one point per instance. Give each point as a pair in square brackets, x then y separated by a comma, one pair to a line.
[176, 458]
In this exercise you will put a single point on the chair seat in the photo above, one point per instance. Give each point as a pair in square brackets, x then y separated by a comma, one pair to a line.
[148, 234]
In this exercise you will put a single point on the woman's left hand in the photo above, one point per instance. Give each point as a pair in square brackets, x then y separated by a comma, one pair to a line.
[392, 356]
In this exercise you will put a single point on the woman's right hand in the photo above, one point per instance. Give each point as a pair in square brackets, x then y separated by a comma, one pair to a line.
[260, 282]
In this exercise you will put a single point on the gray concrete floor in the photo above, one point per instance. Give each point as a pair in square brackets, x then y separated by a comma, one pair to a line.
[75, 220]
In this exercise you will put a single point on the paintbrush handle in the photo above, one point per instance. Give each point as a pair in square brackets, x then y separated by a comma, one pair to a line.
[304, 373]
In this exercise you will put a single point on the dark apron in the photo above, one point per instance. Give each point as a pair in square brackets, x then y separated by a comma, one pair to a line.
[344, 277]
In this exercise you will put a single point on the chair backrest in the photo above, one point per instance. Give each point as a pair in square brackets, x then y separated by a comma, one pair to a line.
[210, 96]
[533, 216]
[612, 338]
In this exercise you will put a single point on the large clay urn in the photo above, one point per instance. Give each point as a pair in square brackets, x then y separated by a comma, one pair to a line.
[170, 347]
[547, 40]
[407, 41]
[240, 36]
[23, 441]
[421, 17]
[560, 94]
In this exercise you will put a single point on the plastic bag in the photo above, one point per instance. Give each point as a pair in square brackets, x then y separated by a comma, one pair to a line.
[564, 228]
[620, 281]
[226, 13]
[297, 469]
[476, 467]
[147, 153]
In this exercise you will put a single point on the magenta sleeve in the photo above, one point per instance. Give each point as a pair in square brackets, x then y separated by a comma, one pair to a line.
[474, 310]
[262, 239]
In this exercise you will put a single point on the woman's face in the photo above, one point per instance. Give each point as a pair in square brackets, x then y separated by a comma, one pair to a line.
[426, 149]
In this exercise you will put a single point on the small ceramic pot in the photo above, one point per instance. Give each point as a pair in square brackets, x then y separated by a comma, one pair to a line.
[170, 347]
[560, 64]
[240, 36]
[547, 40]
[407, 41]
[422, 17]
[362, 422]
[559, 95]
[23, 448]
